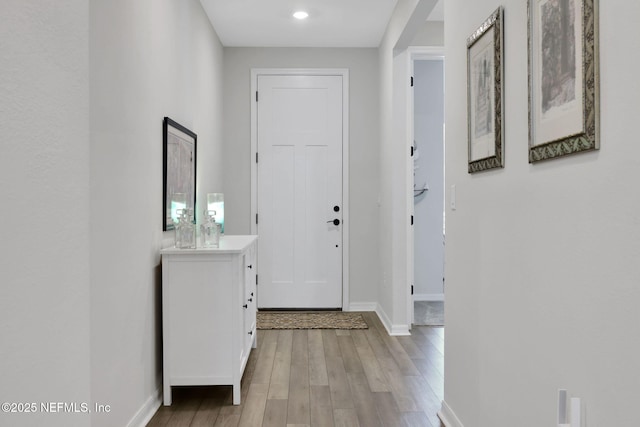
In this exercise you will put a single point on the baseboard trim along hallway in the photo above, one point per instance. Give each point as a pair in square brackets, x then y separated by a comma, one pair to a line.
[448, 417]
[147, 411]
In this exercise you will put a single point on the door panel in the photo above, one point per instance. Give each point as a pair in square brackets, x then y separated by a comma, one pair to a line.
[315, 256]
[299, 183]
[280, 215]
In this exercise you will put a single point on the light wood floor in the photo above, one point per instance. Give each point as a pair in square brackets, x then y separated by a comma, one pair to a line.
[344, 378]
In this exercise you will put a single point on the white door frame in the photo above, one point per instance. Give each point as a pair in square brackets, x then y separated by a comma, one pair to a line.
[415, 53]
[344, 73]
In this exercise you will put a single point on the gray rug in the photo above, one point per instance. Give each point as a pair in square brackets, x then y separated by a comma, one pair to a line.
[429, 313]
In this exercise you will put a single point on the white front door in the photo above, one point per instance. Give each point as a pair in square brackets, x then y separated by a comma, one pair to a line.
[299, 135]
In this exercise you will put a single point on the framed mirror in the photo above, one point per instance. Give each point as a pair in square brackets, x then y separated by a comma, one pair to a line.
[179, 171]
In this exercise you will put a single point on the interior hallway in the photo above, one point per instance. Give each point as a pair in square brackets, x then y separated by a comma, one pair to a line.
[325, 377]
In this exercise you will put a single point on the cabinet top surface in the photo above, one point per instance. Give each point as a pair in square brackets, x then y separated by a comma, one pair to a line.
[228, 245]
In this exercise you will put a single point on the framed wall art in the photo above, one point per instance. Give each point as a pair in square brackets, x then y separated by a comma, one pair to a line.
[179, 171]
[563, 78]
[484, 95]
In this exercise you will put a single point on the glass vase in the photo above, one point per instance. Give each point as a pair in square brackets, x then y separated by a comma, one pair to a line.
[215, 202]
[210, 230]
[185, 230]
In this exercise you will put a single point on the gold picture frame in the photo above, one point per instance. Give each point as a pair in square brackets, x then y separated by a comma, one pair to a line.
[485, 95]
[563, 78]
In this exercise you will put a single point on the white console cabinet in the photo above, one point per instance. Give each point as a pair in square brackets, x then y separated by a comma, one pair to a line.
[208, 314]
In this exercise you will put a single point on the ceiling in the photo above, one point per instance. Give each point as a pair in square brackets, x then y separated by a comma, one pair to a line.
[331, 23]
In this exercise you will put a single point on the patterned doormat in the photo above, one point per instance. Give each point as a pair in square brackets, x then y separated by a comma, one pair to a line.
[310, 320]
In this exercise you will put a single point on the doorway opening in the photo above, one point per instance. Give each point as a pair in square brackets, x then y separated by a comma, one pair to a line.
[427, 66]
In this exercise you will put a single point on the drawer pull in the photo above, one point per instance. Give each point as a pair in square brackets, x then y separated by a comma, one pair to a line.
[245, 306]
[250, 332]
[250, 299]
[250, 266]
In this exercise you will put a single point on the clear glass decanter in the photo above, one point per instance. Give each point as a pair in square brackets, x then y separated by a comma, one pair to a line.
[210, 230]
[185, 230]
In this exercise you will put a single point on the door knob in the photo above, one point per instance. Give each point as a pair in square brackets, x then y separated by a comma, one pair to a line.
[334, 221]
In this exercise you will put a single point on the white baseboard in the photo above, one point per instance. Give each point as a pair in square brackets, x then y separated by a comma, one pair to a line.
[147, 411]
[394, 330]
[384, 318]
[363, 306]
[448, 417]
[400, 330]
[428, 297]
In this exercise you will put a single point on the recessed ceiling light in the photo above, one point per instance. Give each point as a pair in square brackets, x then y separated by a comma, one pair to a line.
[301, 15]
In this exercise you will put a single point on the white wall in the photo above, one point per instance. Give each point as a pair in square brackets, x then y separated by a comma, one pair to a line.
[428, 95]
[149, 59]
[429, 34]
[363, 145]
[44, 174]
[388, 162]
[542, 260]
[395, 173]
